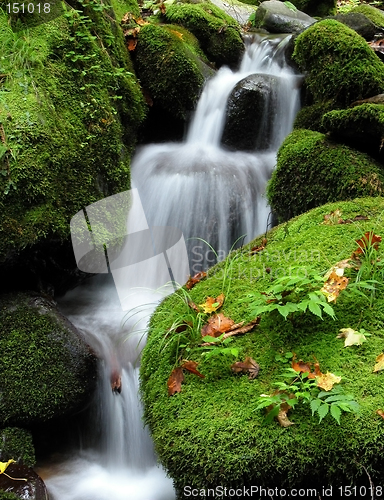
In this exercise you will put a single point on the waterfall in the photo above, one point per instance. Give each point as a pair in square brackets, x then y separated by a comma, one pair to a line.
[210, 193]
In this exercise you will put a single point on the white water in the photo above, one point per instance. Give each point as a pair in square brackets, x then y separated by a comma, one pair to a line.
[209, 193]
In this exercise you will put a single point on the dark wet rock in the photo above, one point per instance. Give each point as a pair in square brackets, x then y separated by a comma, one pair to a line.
[23, 482]
[276, 17]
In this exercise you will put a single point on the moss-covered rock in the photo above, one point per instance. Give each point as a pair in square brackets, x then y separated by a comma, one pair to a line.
[312, 170]
[211, 433]
[8, 496]
[46, 369]
[70, 108]
[218, 33]
[16, 444]
[361, 126]
[339, 64]
[171, 67]
[310, 117]
[371, 12]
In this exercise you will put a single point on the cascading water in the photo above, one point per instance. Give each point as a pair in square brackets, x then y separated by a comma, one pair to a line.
[209, 193]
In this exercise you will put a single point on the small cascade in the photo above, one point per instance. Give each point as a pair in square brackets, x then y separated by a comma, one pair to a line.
[210, 193]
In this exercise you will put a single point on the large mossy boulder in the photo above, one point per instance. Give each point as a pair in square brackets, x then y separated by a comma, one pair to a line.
[312, 170]
[71, 107]
[211, 434]
[338, 63]
[47, 371]
[171, 67]
[247, 106]
[218, 33]
[277, 17]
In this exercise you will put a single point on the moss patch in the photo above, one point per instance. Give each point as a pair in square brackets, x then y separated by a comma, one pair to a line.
[312, 170]
[339, 63]
[374, 14]
[46, 370]
[217, 32]
[70, 108]
[17, 444]
[211, 433]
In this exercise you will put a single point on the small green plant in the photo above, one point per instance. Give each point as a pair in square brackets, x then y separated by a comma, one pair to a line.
[292, 294]
[298, 388]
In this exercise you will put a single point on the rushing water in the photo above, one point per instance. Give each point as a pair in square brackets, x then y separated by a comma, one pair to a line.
[209, 193]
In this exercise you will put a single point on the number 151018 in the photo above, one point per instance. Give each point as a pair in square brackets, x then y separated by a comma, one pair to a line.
[28, 8]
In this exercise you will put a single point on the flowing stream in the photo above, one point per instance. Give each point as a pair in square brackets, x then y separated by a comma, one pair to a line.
[211, 194]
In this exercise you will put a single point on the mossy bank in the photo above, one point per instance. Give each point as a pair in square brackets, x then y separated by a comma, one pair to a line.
[211, 433]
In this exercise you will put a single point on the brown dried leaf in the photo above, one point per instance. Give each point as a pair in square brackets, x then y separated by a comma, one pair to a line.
[368, 240]
[379, 363]
[212, 304]
[248, 365]
[333, 286]
[191, 366]
[242, 329]
[260, 248]
[131, 45]
[282, 416]
[175, 380]
[217, 325]
[193, 306]
[195, 279]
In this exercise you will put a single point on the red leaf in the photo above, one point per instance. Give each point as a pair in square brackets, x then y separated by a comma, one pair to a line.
[195, 279]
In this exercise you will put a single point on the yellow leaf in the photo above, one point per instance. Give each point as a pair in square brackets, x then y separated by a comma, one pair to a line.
[211, 304]
[351, 337]
[379, 363]
[326, 381]
[4, 465]
[333, 286]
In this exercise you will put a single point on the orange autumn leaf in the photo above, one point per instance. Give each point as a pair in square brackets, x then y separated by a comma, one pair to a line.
[302, 367]
[248, 365]
[212, 304]
[217, 325]
[380, 412]
[131, 45]
[333, 286]
[194, 279]
[175, 380]
[379, 363]
[260, 248]
[191, 366]
[368, 240]
[326, 381]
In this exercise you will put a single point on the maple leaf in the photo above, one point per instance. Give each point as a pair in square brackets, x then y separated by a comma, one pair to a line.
[248, 365]
[352, 337]
[333, 218]
[217, 325]
[326, 381]
[175, 380]
[195, 279]
[211, 304]
[333, 286]
[379, 363]
[302, 367]
[191, 366]
[368, 240]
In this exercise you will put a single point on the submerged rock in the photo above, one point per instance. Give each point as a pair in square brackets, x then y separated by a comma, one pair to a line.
[46, 370]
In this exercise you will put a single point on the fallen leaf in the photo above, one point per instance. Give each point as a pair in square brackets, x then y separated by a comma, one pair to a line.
[193, 306]
[380, 412]
[333, 218]
[131, 45]
[333, 286]
[338, 268]
[355, 219]
[132, 32]
[140, 21]
[326, 381]
[212, 304]
[217, 325]
[195, 279]
[4, 465]
[248, 365]
[175, 380]
[282, 416]
[260, 248]
[379, 363]
[191, 366]
[182, 327]
[237, 329]
[352, 337]
[368, 240]
[302, 367]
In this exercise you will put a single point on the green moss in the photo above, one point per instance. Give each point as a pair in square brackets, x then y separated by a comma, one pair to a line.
[364, 123]
[338, 62]
[70, 108]
[312, 170]
[211, 433]
[217, 32]
[17, 444]
[169, 65]
[45, 370]
[121, 7]
[310, 117]
[8, 496]
[374, 14]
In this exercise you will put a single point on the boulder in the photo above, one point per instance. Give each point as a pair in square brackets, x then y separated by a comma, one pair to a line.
[359, 23]
[46, 371]
[23, 482]
[312, 170]
[277, 17]
[248, 104]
